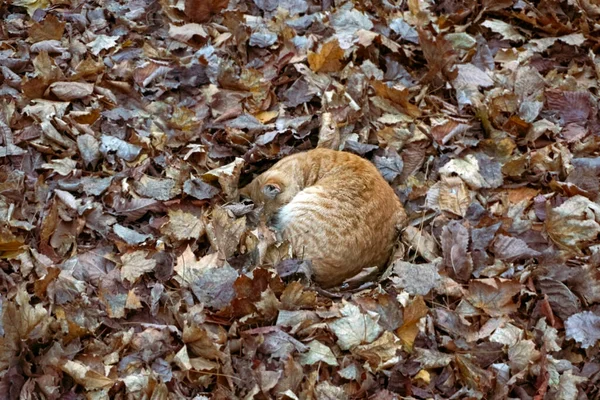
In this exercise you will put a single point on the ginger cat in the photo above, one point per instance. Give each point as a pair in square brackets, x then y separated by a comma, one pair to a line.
[334, 208]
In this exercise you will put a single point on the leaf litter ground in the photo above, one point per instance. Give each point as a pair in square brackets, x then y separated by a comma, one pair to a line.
[130, 269]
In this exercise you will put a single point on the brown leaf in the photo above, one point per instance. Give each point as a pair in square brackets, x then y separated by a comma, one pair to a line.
[294, 297]
[384, 305]
[413, 313]
[442, 133]
[69, 91]
[476, 377]
[454, 196]
[85, 376]
[512, 249]
[202, 10]
[225, 232]
[494, 296]
[49, 29]
[572, 107]
[227, 176]
[455, 244]
[381, 354]
[400, 98]
[562, 300]
[586, 283]
[440, 56]
[329, 134]
[10, 244]
[327, 59]
[573, 223]
[136, 264]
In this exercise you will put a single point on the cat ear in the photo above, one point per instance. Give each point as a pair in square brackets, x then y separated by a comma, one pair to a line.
[271, 190]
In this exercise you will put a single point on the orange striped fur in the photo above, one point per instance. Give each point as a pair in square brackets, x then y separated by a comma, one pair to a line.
[335, 209]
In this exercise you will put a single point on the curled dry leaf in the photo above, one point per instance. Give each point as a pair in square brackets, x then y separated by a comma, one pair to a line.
[136, 264]
[382, 353]
[354, 328]
[183, 225]
[318, 352]
[416, 279]
[583, 327]
[227, 176]
[494, 296]
[69, 91]
[422, 242]
[573, 223]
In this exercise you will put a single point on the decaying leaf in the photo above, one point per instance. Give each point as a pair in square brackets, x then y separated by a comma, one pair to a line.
[494, 296]
[584, 328]
[328, 57]
[413, 313]
[354, 328]
[184, 225]
[573, 223]
[455, 244]
[136, 264]
[227, 176]
[416, 279]
[318, 352]
[225, 232]
[452, 195]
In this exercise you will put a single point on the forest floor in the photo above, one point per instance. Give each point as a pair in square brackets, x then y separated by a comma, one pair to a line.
[130, 269]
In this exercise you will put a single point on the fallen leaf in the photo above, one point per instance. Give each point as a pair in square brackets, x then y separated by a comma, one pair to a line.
[354, 328]
[413, 313]
[69, 91]
[327, 59]
[382, 353]
[506, 30]
[136, 264]
[573, 223]
[584, 328]
[455, 245]
[416, 279]
[183, 225]
[31, 5]
[512, 249]
[318, 352]
[203, 10]
[494, 296]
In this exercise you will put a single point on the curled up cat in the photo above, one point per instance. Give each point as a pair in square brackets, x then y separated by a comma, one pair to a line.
[334, 208]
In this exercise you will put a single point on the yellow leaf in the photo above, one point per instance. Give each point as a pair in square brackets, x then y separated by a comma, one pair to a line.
[31, 5]
[424, 376]
[412, 315]
[266, 116]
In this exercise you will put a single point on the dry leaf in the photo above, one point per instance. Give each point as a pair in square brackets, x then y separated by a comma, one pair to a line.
[327, 59]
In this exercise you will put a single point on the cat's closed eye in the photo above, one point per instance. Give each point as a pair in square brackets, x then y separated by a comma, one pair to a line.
[271, 190]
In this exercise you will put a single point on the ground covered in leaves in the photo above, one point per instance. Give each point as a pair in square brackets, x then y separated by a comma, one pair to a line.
[129, 268]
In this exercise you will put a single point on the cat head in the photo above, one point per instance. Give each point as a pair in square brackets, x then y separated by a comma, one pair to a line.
[271, 190]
